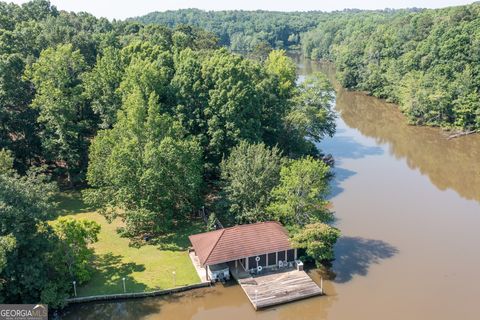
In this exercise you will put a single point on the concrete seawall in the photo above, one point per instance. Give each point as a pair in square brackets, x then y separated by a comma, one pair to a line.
[135, 295]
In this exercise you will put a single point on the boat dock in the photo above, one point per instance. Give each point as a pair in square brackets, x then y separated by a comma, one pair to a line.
[276, 287]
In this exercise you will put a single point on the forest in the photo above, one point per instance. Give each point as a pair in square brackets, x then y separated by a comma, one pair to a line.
[154, 118]
[151, 123]
[244, 30]
[428, 62]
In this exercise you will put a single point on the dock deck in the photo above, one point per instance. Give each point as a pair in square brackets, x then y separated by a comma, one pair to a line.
[276, 287]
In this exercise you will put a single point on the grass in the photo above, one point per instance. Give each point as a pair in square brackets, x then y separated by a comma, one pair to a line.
[146, 268]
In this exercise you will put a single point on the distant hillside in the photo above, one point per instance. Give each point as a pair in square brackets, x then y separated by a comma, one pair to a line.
[242, 30]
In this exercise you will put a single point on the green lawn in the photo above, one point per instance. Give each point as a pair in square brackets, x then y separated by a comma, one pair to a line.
[149, 267]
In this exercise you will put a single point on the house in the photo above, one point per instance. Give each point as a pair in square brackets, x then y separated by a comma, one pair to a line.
[251, 247]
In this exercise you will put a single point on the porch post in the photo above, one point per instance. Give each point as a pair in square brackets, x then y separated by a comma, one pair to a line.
[295, 253]
[246, 263]
[206, 272]
[276, 257]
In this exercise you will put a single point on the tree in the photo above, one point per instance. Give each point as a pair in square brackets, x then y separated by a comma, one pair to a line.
[318, 240]
[62, 111]
[7, 241]
[299, 199]
[76, 237]
[101, 85]
[284, 68]
[191, 96]
[233, 112]
[29, 261]
[18, 128]
[312, 114]
[249, 174]
[427, 60]
[144, 170]
[6, 161]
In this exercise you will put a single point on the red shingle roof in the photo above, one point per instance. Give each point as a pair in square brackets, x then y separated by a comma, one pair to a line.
[240, 242]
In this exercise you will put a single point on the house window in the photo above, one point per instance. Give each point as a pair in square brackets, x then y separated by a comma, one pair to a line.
[291, 255]
[263, 260]
[252, 263]
[272, 259]
[281, 255]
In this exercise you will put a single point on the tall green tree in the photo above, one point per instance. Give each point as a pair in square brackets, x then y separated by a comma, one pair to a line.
[281, 66]
[312, 114]
[75, 237]
[101, 86]
[233, 112]
[30, 264]
[300, 197]
[18, 127]
[144, 170]
[318, 240]
[191, 94]
[62, 111]
[249, 174]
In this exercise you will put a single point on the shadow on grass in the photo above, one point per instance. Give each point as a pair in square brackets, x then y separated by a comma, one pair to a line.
[107, 279]
[71, 203]
[177, 238]
[355, 255]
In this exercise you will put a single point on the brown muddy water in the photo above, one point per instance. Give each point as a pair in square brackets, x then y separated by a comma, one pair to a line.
[408, 204]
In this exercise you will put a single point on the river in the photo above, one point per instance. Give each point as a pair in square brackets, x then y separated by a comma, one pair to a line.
[408, 204]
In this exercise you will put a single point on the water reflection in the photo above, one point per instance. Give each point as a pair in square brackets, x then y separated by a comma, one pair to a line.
[449, 164]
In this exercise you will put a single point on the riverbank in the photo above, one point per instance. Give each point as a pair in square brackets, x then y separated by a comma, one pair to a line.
[408, 203]
[146, 268]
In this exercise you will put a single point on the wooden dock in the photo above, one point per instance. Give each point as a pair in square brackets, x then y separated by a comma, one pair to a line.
[277, 287]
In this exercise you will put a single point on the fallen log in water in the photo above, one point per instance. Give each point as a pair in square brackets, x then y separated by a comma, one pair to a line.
[461, 134]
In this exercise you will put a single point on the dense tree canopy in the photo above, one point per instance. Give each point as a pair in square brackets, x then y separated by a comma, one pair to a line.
[144, 170]
[426, 61]
[154, 122]
[75, 237]
[243, 30]
[61, 79]
[38, 260]
[299, 198]
[249, 174]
